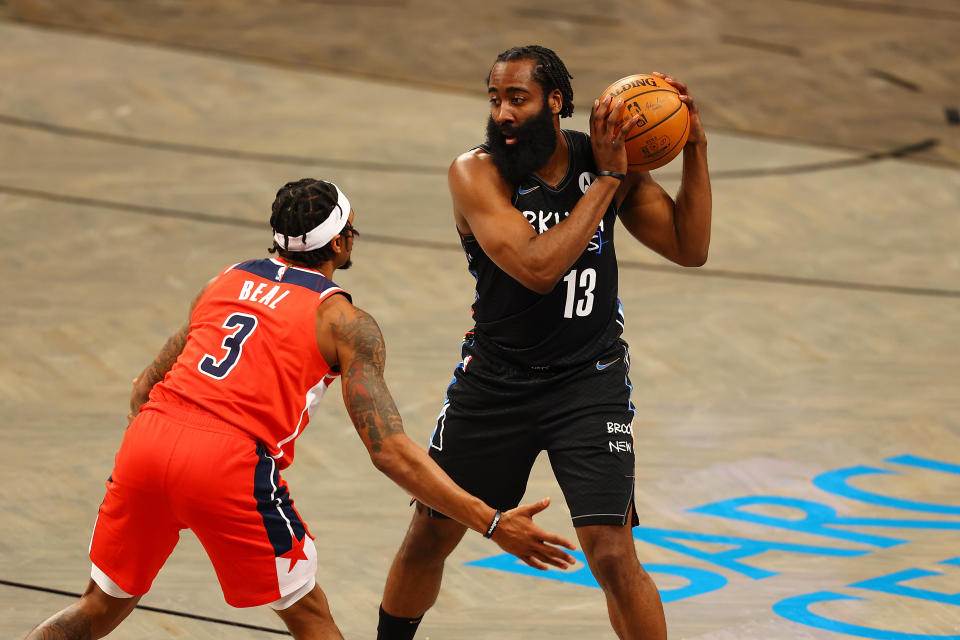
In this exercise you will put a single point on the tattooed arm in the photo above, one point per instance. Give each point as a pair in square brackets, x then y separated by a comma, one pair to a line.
[161, 365]
[350, 337]
[361, 355]
[157, 369]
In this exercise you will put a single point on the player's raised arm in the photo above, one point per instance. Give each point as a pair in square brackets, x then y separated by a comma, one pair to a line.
[482, 206]
[678, 230]
[361, 356]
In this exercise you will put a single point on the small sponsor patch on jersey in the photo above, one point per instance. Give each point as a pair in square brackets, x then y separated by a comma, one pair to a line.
[524, 192]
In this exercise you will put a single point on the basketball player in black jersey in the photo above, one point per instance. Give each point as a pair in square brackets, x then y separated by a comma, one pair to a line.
[544, 367]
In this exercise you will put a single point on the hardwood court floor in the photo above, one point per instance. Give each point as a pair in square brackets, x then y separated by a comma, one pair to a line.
[796, 370]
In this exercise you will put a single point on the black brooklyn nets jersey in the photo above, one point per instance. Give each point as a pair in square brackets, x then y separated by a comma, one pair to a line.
[581, 317]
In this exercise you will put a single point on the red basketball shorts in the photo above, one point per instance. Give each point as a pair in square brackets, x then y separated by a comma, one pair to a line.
[180, 469]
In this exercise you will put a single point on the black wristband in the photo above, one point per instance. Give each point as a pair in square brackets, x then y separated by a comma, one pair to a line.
[493, 524]
[612, 174]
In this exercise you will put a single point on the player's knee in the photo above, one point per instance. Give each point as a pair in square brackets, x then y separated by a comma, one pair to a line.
[429, 539]
[427, 548]
[101, 611]
[614, 569]
[101, 616]
[312, 606]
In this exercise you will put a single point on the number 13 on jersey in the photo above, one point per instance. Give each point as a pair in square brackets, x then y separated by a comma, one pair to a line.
[580, 292]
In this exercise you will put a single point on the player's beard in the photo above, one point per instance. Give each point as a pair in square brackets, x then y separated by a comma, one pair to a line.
[536, 142]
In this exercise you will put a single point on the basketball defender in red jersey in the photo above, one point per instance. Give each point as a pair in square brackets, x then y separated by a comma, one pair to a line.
[216, 416]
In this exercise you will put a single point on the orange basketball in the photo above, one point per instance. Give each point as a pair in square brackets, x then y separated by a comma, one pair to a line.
[664, 123]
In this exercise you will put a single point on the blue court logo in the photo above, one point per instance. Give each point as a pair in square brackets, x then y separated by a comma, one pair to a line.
[736, 558]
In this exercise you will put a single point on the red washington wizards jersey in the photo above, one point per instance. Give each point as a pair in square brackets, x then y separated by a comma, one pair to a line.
[251, 357]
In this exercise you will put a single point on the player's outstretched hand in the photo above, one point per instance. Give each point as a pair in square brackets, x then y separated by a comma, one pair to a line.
[609, 125]
[517, 534]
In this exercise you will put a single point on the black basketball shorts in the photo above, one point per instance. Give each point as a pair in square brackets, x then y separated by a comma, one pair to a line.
[496, 419]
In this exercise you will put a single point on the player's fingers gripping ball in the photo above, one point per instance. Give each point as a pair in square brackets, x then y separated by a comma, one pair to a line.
[664, 123]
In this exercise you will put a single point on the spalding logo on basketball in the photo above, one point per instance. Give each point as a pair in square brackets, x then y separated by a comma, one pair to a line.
[664, 123]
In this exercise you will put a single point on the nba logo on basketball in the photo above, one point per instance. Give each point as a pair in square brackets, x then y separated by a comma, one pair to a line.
[635, 107]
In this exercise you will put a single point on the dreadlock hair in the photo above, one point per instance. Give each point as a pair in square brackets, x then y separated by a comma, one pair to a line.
[299, 207]
[549, 71]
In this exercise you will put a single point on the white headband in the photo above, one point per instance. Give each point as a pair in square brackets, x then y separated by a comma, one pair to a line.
[324, 232]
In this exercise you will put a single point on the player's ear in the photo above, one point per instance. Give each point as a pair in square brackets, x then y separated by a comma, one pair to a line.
[555, 100]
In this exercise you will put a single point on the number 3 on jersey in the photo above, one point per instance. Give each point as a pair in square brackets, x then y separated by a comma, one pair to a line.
[233, 343]
[584, 301]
